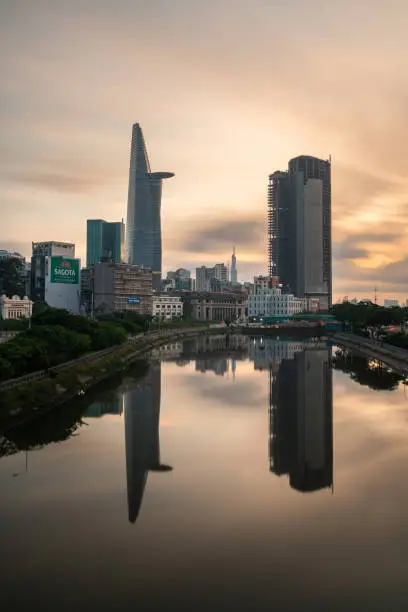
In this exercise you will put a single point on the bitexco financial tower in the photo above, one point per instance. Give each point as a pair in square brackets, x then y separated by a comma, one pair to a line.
[143, 231]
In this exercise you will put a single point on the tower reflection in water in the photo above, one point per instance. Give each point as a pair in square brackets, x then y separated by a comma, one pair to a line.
[301, 417]
[142, 415]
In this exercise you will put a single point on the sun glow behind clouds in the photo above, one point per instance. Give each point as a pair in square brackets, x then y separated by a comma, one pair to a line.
[223, 103]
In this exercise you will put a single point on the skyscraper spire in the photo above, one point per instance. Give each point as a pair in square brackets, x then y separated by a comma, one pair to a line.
[234, 273]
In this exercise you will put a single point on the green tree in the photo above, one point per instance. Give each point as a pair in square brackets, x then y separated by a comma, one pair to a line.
[108, 334]
[12, 277]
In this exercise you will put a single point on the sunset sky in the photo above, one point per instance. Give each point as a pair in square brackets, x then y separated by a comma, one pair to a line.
[226, 91]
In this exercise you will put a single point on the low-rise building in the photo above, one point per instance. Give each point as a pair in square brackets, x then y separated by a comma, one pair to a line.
[391, 303]
[272, 302]
[262, 283]
[218, 306]
[119, 287]
[11, 254]
[15, 307]
[167, 307]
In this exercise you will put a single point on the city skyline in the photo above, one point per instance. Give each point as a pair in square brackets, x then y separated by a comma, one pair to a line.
[213, 116]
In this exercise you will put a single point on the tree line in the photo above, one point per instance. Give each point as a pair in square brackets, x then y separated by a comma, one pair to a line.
[12, 277]
[57, 336]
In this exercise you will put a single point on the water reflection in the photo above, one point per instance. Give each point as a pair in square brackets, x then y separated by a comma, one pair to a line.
[367, 372]
[111, 403]
[300, 399]
[301, 417]
[230, 516]
[57, 426]
[300, 406]
[142, 415]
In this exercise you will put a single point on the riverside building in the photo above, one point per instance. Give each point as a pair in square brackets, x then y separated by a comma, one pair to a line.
[167, 307]
[15, 307]
[120, 287]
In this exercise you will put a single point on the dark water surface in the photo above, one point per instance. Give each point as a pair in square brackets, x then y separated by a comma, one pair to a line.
[278, 480]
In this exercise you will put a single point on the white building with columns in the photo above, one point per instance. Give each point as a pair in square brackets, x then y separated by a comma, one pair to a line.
[272, 302]
[15, 307]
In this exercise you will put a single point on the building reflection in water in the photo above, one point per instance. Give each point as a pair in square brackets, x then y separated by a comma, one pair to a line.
[301, 417]
[300, 412]
[112, 403]
[142, 415]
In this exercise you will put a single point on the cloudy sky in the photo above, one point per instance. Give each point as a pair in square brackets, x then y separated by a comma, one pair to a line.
[226, 92]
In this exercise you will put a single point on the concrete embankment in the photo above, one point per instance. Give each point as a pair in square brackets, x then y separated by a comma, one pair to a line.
[24, 398]
[393, 356]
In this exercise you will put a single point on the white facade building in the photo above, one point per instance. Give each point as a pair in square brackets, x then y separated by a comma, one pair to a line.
[62, 283]
[393, 302]
[167, 307]
[15, 307]
[272, 302]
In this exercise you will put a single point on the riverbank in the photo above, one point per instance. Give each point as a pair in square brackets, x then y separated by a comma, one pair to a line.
[393, 356]
[25, 399]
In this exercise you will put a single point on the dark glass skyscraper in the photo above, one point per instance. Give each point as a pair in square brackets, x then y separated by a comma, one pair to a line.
[299, 228]
[143, 231]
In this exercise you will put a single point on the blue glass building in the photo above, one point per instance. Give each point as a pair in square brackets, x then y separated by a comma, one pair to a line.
[104, 240]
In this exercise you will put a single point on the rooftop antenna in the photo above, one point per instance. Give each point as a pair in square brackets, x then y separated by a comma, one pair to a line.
[375, 295]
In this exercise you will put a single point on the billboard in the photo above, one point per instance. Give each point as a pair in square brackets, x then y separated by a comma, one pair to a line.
[64, 270]
[63, 283]
[134, 300]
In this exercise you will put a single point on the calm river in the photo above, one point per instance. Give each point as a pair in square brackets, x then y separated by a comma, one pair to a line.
[240, 475]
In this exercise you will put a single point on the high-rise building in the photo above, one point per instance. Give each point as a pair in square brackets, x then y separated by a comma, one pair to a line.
[299, 228]
[181, 279]
[279, 254]
[234, 272]
[221, 272]
[104, 240]
[203, 278]
[143, 230]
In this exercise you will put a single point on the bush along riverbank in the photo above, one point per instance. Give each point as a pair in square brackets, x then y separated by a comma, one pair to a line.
[47, 399]
[24, 401]
[59, 425]
[56, 337]
[27, 401]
